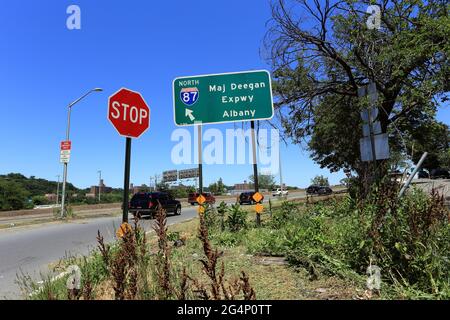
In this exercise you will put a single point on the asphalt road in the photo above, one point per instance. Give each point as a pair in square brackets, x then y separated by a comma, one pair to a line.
[31, 249]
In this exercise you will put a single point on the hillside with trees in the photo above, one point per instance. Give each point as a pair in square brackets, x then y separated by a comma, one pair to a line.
[19, 192]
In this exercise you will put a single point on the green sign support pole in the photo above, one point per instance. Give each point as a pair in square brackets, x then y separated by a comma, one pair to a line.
[255, 167]
[200, 162]
[126, 184]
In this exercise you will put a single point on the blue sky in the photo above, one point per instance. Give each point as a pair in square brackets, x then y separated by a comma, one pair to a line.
[142, 45]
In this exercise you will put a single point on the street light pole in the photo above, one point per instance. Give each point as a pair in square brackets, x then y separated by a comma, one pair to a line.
[57, 190]
[63, 197]
[281, 176]
[99, 184]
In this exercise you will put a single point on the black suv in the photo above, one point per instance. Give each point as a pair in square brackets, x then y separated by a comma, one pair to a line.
[247, 197]
[146, 203]
[324, 191]
[312, 189]
[439, 173]
[319, 190]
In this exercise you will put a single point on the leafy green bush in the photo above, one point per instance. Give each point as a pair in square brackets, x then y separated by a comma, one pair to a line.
[221, 210]
[227, 238]
[237, 218]
[40, 200]
[287, 211]
[265, 241]
[408, 238]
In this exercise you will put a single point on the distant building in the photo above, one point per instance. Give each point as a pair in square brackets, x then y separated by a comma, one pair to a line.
[135, 189]
[242, 186]
[95, 190]
[50, 196]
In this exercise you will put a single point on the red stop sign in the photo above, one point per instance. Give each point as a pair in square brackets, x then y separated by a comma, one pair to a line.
[128, 113]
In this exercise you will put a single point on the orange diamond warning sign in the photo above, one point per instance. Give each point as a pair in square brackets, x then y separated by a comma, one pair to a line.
[257, 197]
[201, 199]
[201, 209]
[123, 229]
[259, 208]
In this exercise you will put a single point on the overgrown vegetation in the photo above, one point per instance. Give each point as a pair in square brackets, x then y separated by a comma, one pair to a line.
[132, 268]
[408, 239]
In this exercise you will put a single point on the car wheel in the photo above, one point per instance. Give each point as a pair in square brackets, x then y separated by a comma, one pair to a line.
[192, 203]
[177, 211]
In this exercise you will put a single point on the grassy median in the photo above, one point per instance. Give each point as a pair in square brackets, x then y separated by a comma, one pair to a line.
[321, 250]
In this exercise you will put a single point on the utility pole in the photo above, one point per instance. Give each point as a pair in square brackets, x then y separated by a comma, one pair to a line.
[57, 190]
[281, 176]
[99, 184]
[69, 107]
[156, 181]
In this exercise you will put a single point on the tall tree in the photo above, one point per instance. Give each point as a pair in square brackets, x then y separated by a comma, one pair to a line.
[320, 181]
[321, 53]
[265, 181]
[12, 195]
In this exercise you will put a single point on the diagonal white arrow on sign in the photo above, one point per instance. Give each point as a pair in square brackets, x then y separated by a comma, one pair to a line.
[189, 114]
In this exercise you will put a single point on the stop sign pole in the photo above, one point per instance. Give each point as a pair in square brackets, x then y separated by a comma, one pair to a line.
[130, 115]
[126, 180]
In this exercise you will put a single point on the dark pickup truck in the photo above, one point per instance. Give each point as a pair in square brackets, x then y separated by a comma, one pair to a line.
[146, 203]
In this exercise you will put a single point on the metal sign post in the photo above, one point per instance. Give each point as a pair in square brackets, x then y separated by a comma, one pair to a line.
[64, 158]
[411, 177]
[255, 167]
[126, 183]
[200, 162]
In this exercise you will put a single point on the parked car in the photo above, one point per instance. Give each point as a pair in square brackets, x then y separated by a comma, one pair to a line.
[247, 197]
[312, 189]
[192, 198]
[324, 191]
[147, 203]
[279, 192]
[439, 173]
[423, 174]
[319, 190]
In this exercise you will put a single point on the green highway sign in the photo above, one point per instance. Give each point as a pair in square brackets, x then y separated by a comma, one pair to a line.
[225, 97]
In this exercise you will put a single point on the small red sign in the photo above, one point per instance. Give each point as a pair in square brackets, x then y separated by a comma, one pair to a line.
[66, 145]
